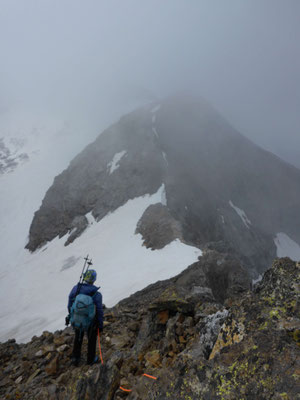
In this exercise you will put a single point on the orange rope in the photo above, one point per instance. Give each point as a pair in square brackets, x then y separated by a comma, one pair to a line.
[100, 347]
[129, 390]
[125, 390]
[150, 376]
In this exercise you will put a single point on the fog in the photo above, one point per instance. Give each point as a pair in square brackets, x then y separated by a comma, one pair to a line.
[88, 62]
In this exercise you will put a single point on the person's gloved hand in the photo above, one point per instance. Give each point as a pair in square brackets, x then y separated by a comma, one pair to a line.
[67, 320]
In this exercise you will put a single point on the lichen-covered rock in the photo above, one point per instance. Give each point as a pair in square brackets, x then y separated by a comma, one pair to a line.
[249, 350]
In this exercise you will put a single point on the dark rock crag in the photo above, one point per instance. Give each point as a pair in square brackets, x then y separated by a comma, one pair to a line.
[157, 227]
[199, 338]
[219, 186]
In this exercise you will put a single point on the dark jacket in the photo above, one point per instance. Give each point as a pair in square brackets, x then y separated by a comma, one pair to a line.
[90, 290]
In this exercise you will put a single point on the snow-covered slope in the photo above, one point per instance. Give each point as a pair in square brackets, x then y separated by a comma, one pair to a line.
[34, 286]
[49, 147]
[175, 169]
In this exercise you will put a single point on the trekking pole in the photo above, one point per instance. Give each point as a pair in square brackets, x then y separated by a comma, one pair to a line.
[100, 347]
[88, 263]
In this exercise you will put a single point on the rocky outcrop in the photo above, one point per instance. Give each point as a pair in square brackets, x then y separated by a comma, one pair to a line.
[109, 172]
[216, 276]
[246, 348]
[157, 227]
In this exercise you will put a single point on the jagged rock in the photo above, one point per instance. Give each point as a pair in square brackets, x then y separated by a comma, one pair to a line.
[30, 379]
[170, 300]
[62, 348]
[249, 351]
[221, 273]
[230, 334]
[52, 367]
[77, 227]
[4, 382]
[119, 341]
[39, 353]
[201, 293]
[19, 380]
[163, 317]
[153, 358]
[50, 348]
[59, 341]
[158, 227]
[211, 332]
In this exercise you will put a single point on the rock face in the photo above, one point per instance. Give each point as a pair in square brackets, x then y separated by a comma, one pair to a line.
[219, 187]
[243, 346]
[158, 227]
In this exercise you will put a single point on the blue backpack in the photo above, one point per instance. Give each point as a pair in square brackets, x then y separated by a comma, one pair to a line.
[83, 312]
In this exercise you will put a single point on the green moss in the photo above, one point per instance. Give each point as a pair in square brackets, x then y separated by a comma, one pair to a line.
[224, 388]
[270, 300]
[284, 396]
[264, 326]
[267, 383]
[274, 313]
[232, 367]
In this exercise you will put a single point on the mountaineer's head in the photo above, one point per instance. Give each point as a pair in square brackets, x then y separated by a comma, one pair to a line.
[90, 276]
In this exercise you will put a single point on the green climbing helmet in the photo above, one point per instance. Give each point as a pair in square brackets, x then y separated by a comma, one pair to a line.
[90, 276]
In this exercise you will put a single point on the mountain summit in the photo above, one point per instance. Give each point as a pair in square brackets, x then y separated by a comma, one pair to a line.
[220, 190]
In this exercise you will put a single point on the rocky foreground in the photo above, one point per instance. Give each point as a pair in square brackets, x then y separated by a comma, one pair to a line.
[202, 334]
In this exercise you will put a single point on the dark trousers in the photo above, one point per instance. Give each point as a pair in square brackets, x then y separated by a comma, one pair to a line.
[92, 338]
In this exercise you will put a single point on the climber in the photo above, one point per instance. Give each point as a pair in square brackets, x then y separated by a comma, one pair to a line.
[85, 296]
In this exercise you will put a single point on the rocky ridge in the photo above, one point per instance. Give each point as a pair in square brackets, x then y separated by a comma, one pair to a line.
[200, 338]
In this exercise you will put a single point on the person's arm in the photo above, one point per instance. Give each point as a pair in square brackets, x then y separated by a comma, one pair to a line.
[99, 310]
[72, 298]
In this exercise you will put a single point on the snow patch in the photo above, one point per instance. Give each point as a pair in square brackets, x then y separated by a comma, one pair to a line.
[114, 163]
[89, 216]
[241, 214]
[286, 247]
[124, 265]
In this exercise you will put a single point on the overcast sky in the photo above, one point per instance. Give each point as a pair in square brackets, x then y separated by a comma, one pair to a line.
[89, 61]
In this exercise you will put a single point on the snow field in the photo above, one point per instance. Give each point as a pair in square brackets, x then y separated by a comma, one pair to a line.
[286, 247]
[42, 281]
